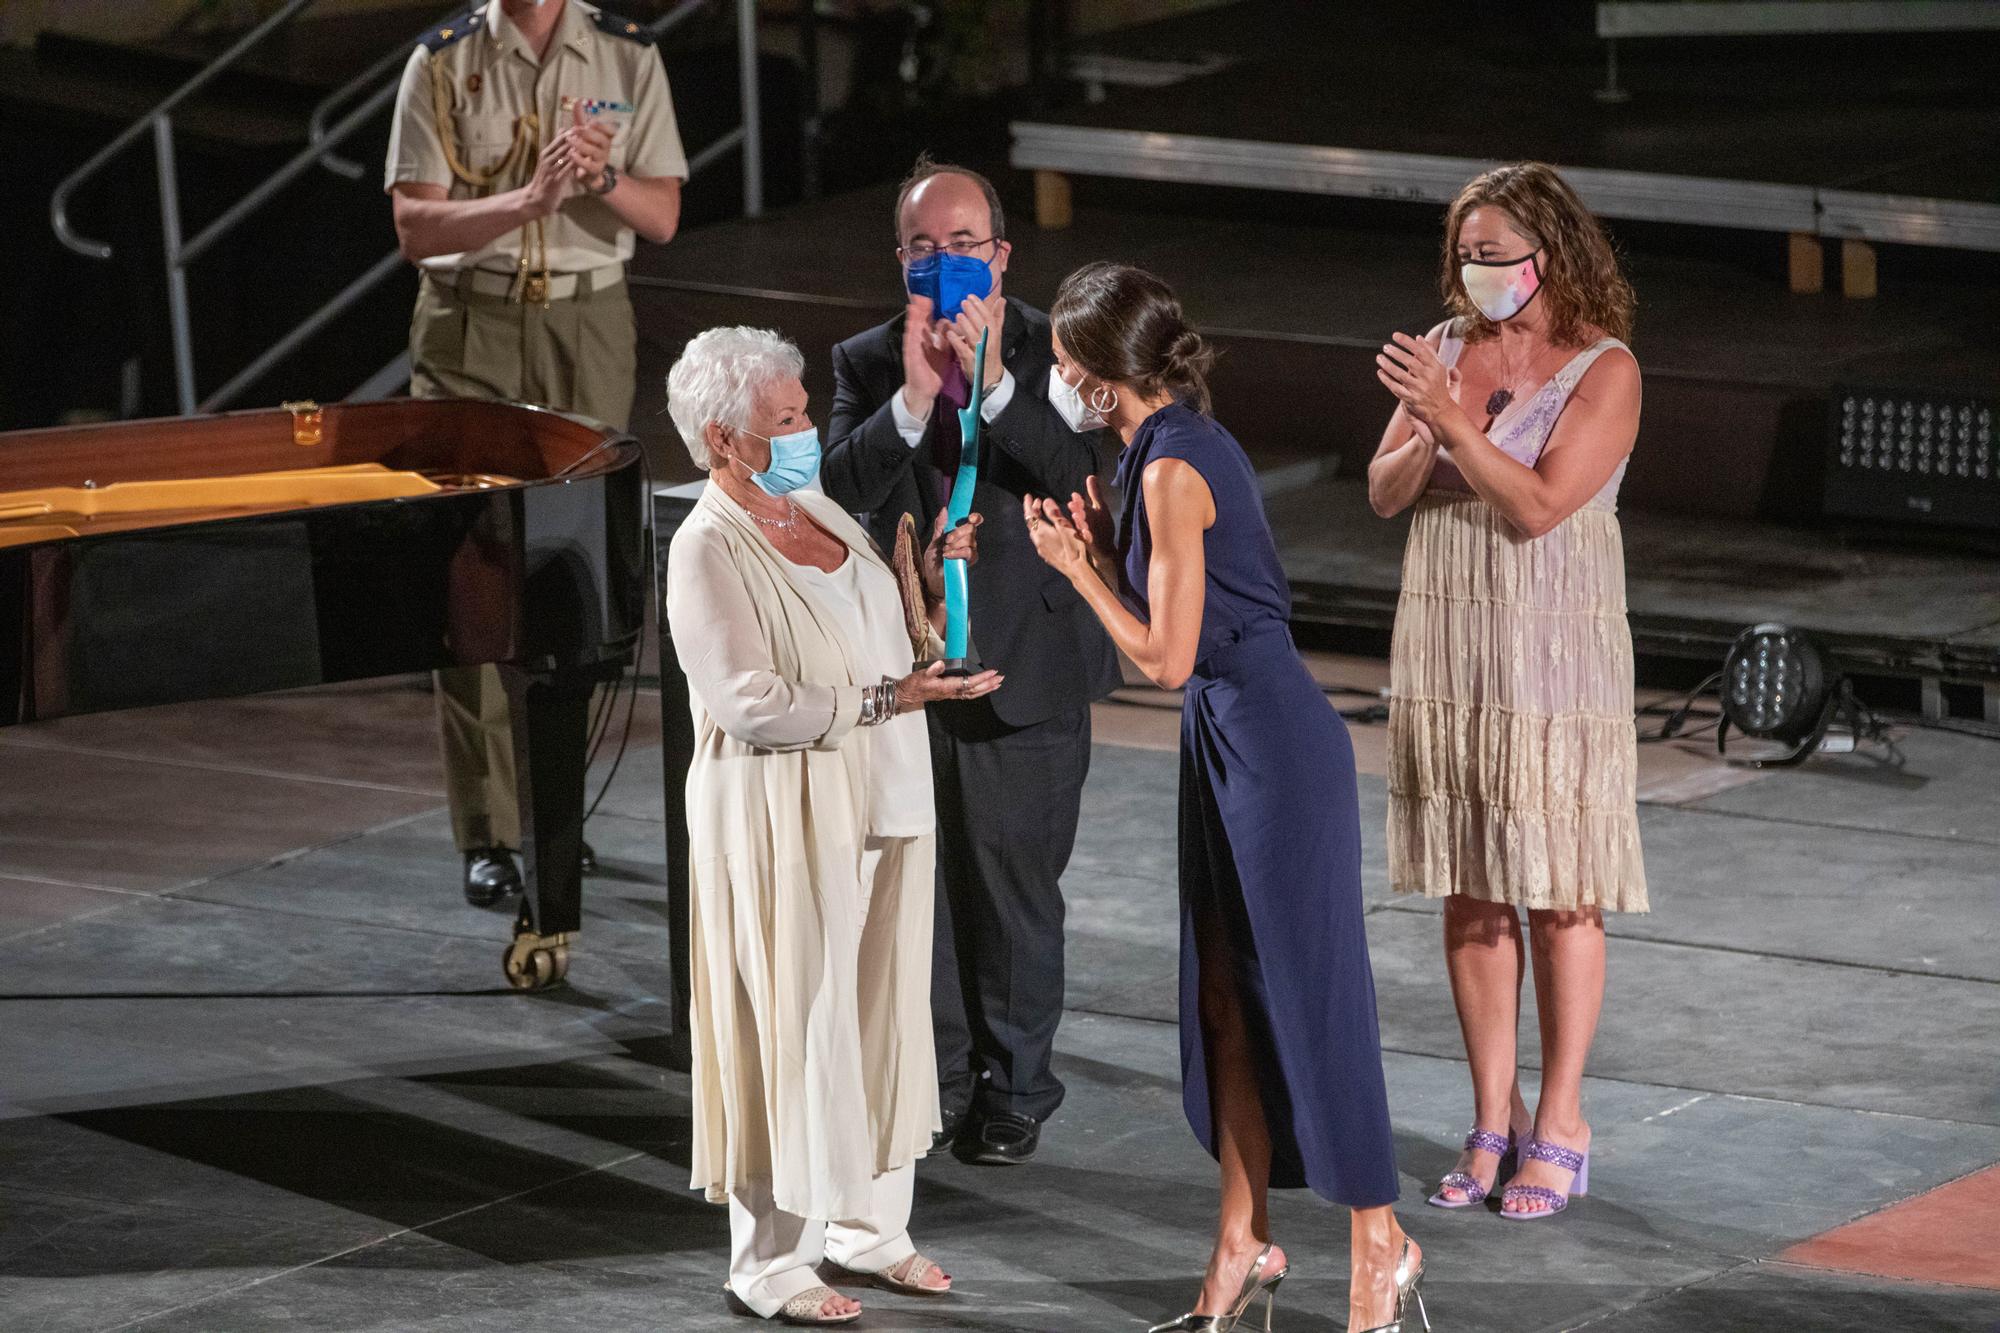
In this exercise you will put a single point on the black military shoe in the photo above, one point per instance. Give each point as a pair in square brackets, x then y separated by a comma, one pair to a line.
[1006, 1138]
[490, 875]
[952, 1123]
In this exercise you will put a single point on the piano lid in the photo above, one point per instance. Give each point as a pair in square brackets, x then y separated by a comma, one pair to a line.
[69, 482]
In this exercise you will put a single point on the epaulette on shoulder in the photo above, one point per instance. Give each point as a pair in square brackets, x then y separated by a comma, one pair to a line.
[454, 30]
[617, 25]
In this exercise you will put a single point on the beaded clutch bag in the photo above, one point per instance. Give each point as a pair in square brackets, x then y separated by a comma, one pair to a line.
[910, 582]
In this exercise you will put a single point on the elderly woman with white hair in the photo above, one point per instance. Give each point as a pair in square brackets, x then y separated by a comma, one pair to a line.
[812, 842]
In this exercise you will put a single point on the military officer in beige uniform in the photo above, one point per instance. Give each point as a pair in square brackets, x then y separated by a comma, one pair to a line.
[532, 140]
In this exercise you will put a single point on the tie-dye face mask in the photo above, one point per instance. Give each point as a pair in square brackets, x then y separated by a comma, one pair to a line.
[1501, 288]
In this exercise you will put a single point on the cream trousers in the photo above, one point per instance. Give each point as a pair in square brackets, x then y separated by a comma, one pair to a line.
[772, 1253]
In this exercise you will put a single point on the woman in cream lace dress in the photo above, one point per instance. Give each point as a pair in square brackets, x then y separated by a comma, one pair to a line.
[1512, 747]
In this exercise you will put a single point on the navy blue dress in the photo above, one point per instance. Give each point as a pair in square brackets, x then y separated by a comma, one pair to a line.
[1270, 840]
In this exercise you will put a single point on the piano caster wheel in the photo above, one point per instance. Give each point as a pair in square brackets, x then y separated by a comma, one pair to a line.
[536, 962]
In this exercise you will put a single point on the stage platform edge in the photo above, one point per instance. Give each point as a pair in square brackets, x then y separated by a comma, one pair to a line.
[1362, 173]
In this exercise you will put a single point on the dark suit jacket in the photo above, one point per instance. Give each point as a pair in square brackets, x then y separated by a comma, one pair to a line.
[1027, 622]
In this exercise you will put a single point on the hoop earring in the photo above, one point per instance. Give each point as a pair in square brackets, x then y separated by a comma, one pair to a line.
[1103, 399]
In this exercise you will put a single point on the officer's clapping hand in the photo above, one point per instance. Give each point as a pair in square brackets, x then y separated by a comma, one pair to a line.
[569, 163]
[586, 146]
[554, 181]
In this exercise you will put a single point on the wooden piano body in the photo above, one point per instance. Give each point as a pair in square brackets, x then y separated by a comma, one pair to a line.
[156, 562]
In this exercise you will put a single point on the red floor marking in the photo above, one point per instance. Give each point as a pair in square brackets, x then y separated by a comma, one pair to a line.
[1946, 1235]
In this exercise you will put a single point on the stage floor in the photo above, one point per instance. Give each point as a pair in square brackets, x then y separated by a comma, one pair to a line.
[261, 1074]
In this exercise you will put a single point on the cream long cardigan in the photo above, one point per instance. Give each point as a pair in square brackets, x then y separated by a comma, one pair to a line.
[796, 1082]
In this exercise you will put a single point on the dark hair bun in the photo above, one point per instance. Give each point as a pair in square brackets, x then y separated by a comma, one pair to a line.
[1188, 356]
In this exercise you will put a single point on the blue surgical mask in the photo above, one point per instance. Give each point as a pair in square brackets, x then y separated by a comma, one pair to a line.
[794, 461]
[950, 281]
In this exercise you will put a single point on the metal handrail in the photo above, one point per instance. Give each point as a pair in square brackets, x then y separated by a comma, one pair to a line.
[316, 131]
[59, 201]
[180, 253]
[293, 168]
[378, 273]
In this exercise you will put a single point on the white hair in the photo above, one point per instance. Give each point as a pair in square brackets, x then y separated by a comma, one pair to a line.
[718, 378]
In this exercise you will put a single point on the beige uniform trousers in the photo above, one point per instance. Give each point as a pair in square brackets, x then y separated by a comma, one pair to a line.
[576, 355]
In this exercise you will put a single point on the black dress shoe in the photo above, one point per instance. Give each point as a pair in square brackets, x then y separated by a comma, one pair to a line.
[490, 875]
[1006, 1138]
[951, 1124]
[587, 862]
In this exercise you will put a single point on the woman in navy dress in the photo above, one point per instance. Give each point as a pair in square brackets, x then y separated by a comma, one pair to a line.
[1281, 1062]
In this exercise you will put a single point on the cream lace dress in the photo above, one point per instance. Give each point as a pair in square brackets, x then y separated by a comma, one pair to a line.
[1513, 752]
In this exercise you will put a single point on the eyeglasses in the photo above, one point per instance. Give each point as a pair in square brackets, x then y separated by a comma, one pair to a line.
[918, 251]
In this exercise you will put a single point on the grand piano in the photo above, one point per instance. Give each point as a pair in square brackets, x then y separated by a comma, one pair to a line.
[156, 562]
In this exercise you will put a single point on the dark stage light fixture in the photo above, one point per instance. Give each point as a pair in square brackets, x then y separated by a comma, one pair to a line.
[1912, 456]
[1778, 686]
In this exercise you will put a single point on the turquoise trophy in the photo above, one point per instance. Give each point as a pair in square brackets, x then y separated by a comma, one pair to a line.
[957, 586]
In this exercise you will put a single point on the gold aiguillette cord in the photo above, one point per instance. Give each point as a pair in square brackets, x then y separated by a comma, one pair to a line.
[531, 285]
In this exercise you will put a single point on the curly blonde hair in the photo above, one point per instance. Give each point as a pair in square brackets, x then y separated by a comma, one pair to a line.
[1582, 285]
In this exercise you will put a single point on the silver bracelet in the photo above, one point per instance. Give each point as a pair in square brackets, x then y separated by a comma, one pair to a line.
[878, 703]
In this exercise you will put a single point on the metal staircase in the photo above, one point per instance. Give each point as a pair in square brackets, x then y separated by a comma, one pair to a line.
[365, 96]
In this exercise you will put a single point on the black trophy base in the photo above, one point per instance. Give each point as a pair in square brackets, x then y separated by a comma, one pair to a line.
[968, 665]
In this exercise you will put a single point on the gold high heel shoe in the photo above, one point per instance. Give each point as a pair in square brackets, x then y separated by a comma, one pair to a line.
[1255, 1283]
[1409, 1289]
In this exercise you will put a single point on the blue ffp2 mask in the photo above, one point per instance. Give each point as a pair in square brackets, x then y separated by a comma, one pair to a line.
[949, 281]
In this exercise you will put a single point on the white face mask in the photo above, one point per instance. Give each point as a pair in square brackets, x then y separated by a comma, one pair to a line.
[1501, 288]
[1064, 397]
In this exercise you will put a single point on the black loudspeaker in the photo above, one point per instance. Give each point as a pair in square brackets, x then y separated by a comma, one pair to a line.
[1912, 456]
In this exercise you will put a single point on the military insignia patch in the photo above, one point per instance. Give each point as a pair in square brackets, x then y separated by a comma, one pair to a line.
[455, 30]
[617, 25]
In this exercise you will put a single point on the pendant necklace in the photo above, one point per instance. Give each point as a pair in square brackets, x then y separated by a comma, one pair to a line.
[1496, 402]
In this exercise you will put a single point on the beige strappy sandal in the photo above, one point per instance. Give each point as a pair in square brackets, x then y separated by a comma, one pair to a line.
[802, 1309]
[908, 1277]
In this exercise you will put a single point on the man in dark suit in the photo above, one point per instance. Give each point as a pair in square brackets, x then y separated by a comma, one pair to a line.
[1009, 768]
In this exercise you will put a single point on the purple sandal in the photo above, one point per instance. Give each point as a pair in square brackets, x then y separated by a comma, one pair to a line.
[1485, 1140]
[1569, 1159]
